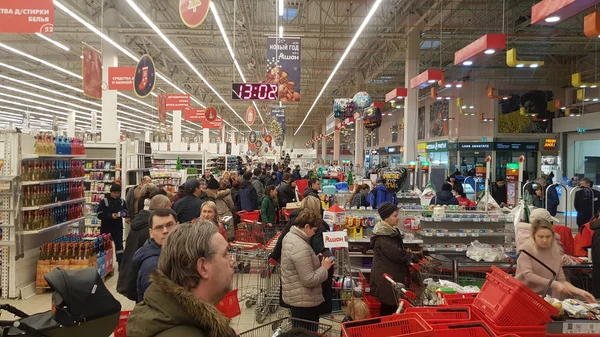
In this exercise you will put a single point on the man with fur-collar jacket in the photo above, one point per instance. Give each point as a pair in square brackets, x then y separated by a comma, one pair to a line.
[195, 271]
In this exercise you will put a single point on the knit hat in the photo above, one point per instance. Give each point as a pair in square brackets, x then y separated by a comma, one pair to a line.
[540, 213]
[386, 209]
[115, 188]
[213, 184]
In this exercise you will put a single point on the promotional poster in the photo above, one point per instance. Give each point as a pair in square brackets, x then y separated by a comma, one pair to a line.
[283, 67]
[278, 125]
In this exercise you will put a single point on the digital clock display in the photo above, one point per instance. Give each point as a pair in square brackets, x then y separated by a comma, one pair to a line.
[254, 91]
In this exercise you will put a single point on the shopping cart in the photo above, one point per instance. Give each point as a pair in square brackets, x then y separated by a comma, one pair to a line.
[247, 256]
[268, 290]
[280, 326]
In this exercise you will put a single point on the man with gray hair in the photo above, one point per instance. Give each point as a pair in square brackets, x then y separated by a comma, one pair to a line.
[138, 235]
[195, 271]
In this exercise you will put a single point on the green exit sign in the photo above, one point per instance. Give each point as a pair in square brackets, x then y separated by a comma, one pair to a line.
[484, 139]
[581, 130]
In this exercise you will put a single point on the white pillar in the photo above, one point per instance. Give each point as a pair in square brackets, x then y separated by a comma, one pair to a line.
[176, 136]
[205, 139]
[336, 143]
[71, 124]
[147, 136]
[411, 102]
[324, 146]
[110, 58]
[359, 145]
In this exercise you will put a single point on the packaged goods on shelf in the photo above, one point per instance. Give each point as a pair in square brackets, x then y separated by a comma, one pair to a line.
[49, 144]
[45, 170]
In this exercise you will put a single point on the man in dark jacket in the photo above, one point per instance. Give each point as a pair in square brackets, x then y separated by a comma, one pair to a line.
[145, 260]
[380, 194]
[389, 257]
[499, 192]
[285, 191]
[314, 185]
[138, 235]
[111, 212]
[595, 226]
[296, 173]
[132, 197]
[587, 202]
[257, 184]
[279, 175]
[188, 208]
[248, 200]
[203, 195]
[271, 179]
[195, 271]
[445, 196]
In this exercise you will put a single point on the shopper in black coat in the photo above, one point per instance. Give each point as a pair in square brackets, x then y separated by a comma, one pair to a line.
[445, 196]
[389, 257]
[111, 211]
[286, 192]
[499, 192]
[587, 202]
[595, 226]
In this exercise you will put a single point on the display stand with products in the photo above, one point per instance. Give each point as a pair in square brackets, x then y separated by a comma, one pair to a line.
[166, 179]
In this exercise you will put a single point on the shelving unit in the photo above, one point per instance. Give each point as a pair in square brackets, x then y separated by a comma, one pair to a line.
[169, 180]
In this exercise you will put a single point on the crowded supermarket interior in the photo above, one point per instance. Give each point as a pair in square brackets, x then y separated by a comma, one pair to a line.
[298, 168]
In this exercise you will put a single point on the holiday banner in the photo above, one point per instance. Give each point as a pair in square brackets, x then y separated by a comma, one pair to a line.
[214, 124]
[121, 78]
[177, 101]
[194, 115]
[283, 66]
[145, 78]
[92, 73]
[193, 12]
[277, 129]
[161, 106]
[27, 17]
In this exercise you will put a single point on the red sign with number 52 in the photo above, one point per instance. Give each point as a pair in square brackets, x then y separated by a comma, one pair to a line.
[18, 16]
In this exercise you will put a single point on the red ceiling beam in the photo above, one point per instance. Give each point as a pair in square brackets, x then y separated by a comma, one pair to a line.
[551, 12]
[396, 94]
[426, 78]
[487, 44]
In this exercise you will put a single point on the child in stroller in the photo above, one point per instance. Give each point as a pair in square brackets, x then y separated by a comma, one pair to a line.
[81, 306]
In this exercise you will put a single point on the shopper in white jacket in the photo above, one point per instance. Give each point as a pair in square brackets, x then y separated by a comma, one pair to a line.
[301, 272]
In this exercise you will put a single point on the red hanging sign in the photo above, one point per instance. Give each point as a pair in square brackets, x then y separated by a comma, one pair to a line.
[121, 78]
[92, 73]
[194, 115]
[177, 101]
[268, 138]
[250, 115]
[27, 17]
[211, 113]
[216, 124]
[193, 12]
[161, 106]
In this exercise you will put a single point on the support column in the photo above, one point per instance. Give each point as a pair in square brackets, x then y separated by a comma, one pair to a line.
[110, 58]
[359, 146]
[205, 139]
[336, 143]
[411, 102]
[324, 145]
[147, 136]
[71, 124]
[176, 136]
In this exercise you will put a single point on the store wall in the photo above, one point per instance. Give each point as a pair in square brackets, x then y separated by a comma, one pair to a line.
[578, 146]
[297, 141]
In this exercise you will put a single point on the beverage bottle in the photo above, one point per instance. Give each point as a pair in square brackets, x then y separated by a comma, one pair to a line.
[69, 173]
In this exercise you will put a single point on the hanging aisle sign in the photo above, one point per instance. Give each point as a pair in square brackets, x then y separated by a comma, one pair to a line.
[177, 101]
[211, 113]
[250, 115]
[27, 17]
[145, 77]
[161, 106]
[283, 66]
[194, 115]
[214, 124]
[92, 73]
[121, 78]
[193, 12]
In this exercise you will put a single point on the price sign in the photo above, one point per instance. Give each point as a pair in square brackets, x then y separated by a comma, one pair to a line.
[439, 234]
[335, 239]
[475, 235]
[452, 235]
[462, 235]
[428, 234]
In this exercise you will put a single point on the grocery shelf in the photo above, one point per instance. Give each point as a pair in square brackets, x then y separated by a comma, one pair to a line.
[368, 240]
[99, 170]
[444, 250]
[471, 235]
[98, 181]
[55, 227]
[57, 156]
[56, 204]
[362, 240]
[48, 182]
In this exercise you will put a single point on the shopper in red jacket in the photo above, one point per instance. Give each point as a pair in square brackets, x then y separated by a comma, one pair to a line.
[460, 195]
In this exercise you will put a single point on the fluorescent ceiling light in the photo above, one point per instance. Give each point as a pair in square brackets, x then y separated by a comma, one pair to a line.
[583, 86]
[489, 51]
[281, 31]
[281, 8]
[459, 85]
[533, 65]
[593, 86]
[468, 63]
[471, 107]
[56, 43]
[337, 66]
[505, 98]
[31, 57]
[180, 54]
[431, 81]
[448, 85]
[520, 65]
[554, 18]
[439, 97]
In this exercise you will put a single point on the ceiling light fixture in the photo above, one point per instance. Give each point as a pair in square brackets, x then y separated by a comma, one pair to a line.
[552, 19]
[489, 51]
[281, 31]
[180, 54]
[56, 43]
[468, 63]
[348, 48]
[281, 8]
[533, 65]
[520, 65]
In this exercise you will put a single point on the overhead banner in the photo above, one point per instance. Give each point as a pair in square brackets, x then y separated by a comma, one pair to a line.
[283, 66]
[27, 17]
[161, 106]
[145, 77]
[250, 115]
[92, 73]
[194, 115]
[177, 101]
[121, 78]
[193, 12]
[211, 113]
[330, 124]
[277, 129]
[216, 124]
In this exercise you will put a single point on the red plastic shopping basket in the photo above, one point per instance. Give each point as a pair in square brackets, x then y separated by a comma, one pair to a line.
[121, 330]
[508, 302]
[458, 299]
[243, 235]
[405, 325]
[470, 329]
[523, 331]
[249, 217]
[440, 315]
[229, 305]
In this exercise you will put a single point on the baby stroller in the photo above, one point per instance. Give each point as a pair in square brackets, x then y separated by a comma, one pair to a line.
[81, 306]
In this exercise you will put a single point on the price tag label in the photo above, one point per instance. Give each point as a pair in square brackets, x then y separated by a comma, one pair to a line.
[452, 235]
[456, 220]
[431, 249]
[460, 249]
[475, 235]
[439, 234]
[428, 234]
[486, 219]
[463, 235]
[437, 220]
[476, 220]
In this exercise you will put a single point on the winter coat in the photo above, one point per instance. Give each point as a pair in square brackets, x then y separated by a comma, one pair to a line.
[279, 178]
[389, 257]
[168, 310]
[270, 181]
[583, 205]
[360, 199]
[145, 261]
[309, 191]
[248, 199]
[286, 194]
[444, 198]
[138, 235]
[499, 194]
[259, 187]
[267, 210]
[553, 200]
[235, 196]
[301, 272]
[188, 208]
[379, 195]
[464, 201]
[276, 253]
[534, 275]
[296, 174]
[224, 202]
[106, 208]
[595, 226]
[131, 200]
[204, 197]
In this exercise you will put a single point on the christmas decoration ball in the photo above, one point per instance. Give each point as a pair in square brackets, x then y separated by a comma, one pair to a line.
[362, 99]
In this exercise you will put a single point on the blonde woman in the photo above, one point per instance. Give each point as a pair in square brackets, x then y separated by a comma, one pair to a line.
[542, 245]
[209, 212]
[227, 179]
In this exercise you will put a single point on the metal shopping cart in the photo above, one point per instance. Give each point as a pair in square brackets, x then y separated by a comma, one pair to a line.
[280, 326]
[269, 284]
[248, 256]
